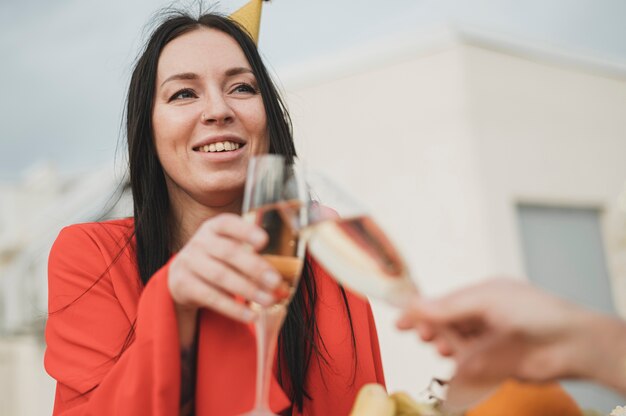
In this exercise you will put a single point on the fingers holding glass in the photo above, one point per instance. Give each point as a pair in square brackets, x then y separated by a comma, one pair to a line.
[219, 264]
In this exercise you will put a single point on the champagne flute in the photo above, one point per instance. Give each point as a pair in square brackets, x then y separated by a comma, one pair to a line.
[275, 198]
[345, 239]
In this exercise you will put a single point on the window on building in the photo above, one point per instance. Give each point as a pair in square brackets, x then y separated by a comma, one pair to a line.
[564, 254]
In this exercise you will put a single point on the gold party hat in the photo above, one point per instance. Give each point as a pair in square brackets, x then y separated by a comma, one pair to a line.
[249, 16]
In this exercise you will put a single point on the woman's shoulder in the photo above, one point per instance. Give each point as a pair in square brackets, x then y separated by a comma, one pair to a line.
[117, 226]
[100, 233]
[96, 252]
[90, 245]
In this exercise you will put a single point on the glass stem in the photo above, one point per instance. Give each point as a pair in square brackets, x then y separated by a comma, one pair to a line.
[267, 327]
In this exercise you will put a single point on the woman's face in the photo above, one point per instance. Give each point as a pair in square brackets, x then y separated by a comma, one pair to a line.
[208, 118]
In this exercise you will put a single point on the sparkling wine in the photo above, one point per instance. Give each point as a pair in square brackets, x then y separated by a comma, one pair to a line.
[360, 256]
[289, 268]
[284, 249]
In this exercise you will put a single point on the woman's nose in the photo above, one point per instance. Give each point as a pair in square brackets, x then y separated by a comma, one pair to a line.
[217, 111]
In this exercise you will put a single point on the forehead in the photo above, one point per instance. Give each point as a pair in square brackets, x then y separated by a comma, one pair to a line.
[200, 51]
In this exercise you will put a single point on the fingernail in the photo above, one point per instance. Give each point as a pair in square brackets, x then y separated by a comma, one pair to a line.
[264, 298]
[271, 278]
[257, 237]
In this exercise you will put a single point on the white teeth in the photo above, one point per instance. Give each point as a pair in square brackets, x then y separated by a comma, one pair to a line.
[219, 147]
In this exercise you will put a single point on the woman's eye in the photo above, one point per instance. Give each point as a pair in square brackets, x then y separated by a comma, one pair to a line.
[183, 94]
[245, 88]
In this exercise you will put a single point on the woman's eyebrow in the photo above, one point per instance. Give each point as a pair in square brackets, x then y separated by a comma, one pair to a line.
[190, 75]
[238, 70]
[184, 75]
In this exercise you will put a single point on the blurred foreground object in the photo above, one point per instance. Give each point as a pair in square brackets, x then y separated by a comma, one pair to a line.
[520, 399]
[511, 399]
[618, 411]
[373, 400]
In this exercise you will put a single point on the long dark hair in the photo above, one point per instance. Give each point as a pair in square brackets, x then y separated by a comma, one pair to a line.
[153, 229]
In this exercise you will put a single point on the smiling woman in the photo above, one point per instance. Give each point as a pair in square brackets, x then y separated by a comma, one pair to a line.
[151, 315]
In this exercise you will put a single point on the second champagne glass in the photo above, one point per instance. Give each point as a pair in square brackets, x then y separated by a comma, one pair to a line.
[348, 242]
[275, 199]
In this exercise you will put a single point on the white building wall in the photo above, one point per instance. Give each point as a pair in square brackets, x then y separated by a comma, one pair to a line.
[25, 388]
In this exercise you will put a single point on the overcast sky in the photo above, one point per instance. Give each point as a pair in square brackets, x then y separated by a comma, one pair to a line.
[65, 64]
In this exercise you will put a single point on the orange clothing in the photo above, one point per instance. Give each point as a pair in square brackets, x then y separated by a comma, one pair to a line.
[95, 295]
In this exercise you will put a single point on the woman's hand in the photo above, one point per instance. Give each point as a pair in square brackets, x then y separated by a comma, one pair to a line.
[220, 262]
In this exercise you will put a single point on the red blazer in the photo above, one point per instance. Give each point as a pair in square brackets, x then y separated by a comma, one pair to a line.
[95, 295]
